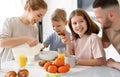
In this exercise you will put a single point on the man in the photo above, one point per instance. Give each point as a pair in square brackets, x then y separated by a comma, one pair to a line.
[108, 15]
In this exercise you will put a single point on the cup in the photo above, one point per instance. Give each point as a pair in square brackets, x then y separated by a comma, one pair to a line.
[30, 60]
[61, 53]
[70, 59]
[22, 60]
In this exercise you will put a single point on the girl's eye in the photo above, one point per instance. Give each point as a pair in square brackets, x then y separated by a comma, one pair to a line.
[81, 21]
[74, 23]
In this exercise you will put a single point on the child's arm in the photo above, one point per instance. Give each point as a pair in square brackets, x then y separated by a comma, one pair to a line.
[69, 49]
[66, 40]
[91, 62]
[44, 46]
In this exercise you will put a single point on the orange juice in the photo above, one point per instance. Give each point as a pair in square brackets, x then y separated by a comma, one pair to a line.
[22, 60]
[61, 55]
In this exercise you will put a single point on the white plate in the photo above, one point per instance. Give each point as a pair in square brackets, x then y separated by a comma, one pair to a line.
[48, 55]
[26, 50]
[59, 73]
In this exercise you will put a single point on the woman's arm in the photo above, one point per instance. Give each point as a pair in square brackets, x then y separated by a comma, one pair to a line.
[91, 62]
[12, 42]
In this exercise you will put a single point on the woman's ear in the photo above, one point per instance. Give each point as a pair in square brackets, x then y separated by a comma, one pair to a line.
[28, 9]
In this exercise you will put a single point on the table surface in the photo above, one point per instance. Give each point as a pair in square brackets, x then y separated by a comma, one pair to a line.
[78, 71]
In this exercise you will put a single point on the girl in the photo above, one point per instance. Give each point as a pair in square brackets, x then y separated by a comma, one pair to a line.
[85, 44]
[20, 30]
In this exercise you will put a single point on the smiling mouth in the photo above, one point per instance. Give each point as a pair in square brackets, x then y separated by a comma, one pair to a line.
[79, 30]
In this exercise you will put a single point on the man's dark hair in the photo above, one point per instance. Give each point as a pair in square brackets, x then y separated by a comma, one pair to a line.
[105, 3]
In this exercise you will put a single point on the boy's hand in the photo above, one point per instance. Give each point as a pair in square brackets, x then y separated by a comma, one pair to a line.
[61, 33]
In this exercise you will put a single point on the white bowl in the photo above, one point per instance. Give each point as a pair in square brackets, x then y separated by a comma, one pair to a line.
[48, 55]
[26, 50]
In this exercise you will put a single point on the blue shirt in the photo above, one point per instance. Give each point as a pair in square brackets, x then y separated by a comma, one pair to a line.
[55, 42]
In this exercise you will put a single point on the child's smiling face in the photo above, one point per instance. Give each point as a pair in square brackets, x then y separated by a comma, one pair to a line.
[79, 25]
[59, 26]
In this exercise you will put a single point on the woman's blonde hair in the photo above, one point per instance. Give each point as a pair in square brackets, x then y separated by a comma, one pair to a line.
[36, 4]
[59, 14]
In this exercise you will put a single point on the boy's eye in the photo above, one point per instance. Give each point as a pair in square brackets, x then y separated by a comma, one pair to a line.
[39, 15]
[58, 26]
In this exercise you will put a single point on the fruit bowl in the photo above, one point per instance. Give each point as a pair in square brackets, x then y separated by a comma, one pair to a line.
[57, 66]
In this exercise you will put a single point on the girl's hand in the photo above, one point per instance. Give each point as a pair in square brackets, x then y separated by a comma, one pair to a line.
[65, 39]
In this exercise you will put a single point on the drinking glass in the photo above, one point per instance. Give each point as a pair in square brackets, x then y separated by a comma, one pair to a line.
[22, 60]
[30, 60]
[61, 53]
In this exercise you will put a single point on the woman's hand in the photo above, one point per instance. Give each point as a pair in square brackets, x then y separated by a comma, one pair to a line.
[32, 41]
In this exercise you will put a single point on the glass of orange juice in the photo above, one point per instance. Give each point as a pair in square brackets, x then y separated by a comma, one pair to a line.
[61, 53]
[22, 60]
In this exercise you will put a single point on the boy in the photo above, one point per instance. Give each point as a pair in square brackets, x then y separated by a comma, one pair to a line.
[59, 23]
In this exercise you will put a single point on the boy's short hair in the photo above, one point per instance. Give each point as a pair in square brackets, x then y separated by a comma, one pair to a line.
[59, 14]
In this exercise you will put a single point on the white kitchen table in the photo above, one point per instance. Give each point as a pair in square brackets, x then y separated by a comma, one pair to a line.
[78, 71]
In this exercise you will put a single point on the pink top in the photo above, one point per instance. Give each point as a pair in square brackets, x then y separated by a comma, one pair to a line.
[88, 47]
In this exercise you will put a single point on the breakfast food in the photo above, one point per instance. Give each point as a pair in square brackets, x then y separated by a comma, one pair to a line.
[57, 66]
[23, 73]
[41, 63]
[61, 33]
[11, 74]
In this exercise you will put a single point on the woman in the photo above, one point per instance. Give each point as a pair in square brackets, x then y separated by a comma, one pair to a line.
[20, 30]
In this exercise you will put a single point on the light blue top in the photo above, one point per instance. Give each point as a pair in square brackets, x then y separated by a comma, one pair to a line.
[54, 41]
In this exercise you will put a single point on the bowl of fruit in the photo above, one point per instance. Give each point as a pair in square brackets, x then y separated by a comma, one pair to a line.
[57, 66]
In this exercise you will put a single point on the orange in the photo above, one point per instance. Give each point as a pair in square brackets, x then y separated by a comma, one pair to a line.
[67, 65]
[63, 69]
[59, 62]
[46, 65]
[52, 69]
